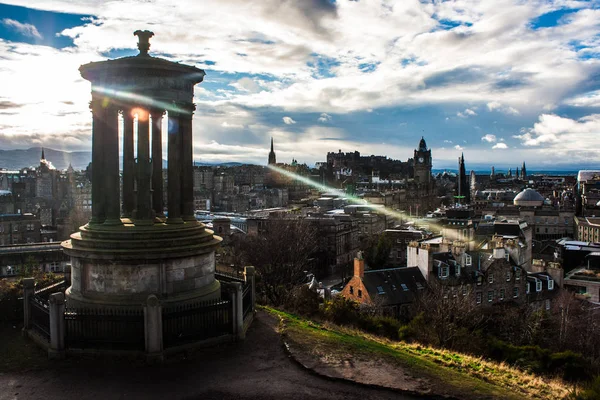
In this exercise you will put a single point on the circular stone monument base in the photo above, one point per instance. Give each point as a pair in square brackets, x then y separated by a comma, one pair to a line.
[122, 265]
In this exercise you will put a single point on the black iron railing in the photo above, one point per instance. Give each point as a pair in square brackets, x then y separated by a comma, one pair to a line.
[196, 321]
[40, 316]
[107, 328]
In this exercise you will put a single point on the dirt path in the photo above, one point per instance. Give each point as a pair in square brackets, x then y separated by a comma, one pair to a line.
[257, 368]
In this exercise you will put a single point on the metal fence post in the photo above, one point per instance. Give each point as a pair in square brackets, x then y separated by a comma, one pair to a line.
[57, 326]
[153, 329]
[28, 293]
[250, 277]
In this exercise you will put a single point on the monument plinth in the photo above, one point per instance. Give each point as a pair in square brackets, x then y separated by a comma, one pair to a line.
[126, 253]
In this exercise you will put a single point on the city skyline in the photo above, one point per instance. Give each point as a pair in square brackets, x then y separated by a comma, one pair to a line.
[503, 82]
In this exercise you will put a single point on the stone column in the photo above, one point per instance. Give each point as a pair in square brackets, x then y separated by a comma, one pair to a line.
[98, 191]
[57, 326]
[128, 164]
[111, 167]
[187, 166]
[237, 298]
[153, 329]
[28, 293]
[157, 177]
[174, 170]
[143, 212]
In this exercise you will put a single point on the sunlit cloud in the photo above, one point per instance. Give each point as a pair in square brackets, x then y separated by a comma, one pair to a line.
[24, 29]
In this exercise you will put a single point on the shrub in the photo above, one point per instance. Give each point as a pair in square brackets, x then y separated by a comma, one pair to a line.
[590, 392]
[303, 301]
[379, 325]
[342, 311]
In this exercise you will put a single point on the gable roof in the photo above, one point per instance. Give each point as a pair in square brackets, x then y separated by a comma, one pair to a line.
[395, 285]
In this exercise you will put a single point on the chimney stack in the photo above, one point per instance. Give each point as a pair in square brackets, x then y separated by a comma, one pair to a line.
[359, 267]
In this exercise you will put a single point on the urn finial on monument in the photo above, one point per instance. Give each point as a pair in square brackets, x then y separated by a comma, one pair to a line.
[144, 41]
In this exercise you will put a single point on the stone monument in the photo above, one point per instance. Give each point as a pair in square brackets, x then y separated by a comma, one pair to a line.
[126, 253]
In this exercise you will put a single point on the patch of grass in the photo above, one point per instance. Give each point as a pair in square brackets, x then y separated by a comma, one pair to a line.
[453, 373]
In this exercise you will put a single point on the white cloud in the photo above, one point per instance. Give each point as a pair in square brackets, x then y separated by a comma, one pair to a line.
[458, 147]
[560, 137]
[500, 146]
[447, 141]
[590, 99]
[288, 120]
[24, 29]
[489, 138]
[247, 85]
[467, 113]
[496, 106]
[324, 118]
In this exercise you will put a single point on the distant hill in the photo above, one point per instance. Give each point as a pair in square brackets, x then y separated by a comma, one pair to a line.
[17, 159]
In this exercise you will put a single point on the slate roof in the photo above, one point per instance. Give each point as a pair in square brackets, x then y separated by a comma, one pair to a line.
[395, 285]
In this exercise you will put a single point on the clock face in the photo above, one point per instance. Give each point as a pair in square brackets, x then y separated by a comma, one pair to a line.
[421, 159]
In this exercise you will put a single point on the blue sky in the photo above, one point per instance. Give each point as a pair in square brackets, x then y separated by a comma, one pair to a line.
[504, 81]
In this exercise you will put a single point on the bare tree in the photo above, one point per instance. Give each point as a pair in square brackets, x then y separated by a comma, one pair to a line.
[281, 256]
[449, 313]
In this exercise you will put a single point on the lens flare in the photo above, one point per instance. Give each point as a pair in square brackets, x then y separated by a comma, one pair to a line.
[449, 233]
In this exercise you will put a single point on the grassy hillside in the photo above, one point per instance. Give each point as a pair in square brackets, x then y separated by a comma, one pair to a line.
[448, 373]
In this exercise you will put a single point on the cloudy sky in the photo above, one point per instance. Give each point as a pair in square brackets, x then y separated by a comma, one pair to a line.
[502, 81]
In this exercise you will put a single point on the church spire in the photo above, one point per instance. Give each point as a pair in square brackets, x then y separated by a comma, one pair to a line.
[272, 159]
[43, 157]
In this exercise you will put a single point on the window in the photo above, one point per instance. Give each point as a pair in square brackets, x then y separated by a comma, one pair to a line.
[351, 289]
[479, 280]
[419, 286]
[444, 271]
[516, 292]
[404, 287]
[517, 274]
[550, 284]
[508, 276]
[547, 304]
[457, 270]
[468, 260]
[491, 278]
[527, 288]
[399, 255]
[16, 228]
[507, 256]
[501, 294]
[478, 297]
[490, 296]
[464, 290]
[359, 293]
[380, 290]
[538, 286]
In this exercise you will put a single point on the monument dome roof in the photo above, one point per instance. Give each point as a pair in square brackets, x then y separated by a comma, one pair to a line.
[528, 197]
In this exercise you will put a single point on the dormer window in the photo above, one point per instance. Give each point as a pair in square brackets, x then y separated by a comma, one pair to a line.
[538, 286]
[444, 271]
[468, 260]
[550, 284]
[508, 276]
[457, 270]
[517, 274]
[479, 280]
[491, 278]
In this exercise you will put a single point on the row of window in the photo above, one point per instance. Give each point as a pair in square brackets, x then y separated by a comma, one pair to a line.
[491, 294]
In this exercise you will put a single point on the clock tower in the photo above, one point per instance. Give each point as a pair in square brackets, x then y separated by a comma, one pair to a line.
[422, 163]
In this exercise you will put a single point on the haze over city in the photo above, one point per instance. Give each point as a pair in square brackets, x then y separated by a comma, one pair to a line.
[503, 82]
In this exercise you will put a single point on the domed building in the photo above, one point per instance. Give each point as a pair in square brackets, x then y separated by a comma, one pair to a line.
[528, 198]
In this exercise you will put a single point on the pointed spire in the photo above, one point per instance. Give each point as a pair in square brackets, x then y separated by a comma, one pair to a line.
[43, 157]
[271, 143]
